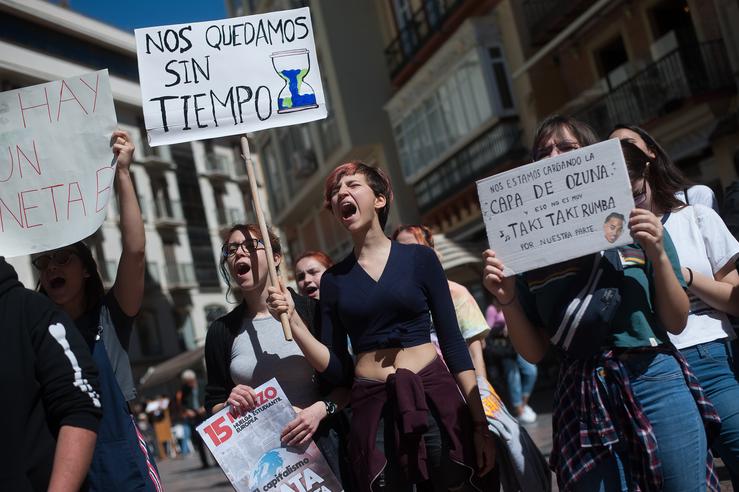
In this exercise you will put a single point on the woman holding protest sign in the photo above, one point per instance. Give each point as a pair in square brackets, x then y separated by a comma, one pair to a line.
[707, 252]
[69, 277]
[629, 414]
[381, 296]
[246, 348]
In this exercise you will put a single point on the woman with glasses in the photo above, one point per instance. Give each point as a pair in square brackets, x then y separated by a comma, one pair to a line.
[707, 252]
[246, 348]
[69, 277]
[628, 413]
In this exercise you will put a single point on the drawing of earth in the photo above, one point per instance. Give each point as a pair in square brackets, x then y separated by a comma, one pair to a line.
[267, 467]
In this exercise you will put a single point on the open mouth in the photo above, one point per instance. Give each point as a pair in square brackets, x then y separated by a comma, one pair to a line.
[57, 282]
[347, 210]
[311, 289]
[242, 268]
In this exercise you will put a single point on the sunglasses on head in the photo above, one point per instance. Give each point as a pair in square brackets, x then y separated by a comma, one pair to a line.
[59, 258]
[563, 147]
[249, 246]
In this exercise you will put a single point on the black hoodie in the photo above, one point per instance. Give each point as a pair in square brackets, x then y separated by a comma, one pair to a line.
[47, 380]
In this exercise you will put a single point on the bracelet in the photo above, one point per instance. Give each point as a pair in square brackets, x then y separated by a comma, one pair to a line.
[690, 279]
[514, 298]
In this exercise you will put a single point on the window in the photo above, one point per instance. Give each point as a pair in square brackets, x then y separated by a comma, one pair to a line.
[611, 56]
[274, 181]
[458, 106]
[500, 74]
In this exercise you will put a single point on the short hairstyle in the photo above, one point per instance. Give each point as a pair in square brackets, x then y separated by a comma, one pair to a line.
[422, 233]
[377, 179]
[247, 230]
[615, 215]
[320, 257]
[555, 124]
[94, 289]
[664, 177]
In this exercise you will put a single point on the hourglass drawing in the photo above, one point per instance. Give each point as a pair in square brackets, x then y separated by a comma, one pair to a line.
[292, 66]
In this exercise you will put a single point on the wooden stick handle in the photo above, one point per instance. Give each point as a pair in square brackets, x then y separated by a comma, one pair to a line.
[273, 279]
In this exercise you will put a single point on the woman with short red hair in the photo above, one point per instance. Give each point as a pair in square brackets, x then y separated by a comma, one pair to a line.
[410, 425]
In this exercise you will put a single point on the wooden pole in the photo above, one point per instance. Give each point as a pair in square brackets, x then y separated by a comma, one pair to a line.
[273, 279]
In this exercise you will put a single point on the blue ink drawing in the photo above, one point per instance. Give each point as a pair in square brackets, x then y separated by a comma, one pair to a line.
[293, 66]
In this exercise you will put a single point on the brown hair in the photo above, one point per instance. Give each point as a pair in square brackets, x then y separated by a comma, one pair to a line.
[247, 230]
[377, 179]
[422, 233]
[637, 163]
[664, 177]
[320, 257]
[555, 124]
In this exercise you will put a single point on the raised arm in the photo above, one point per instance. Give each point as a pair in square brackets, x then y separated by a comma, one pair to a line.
[129, 281]
[671, 302]
[528, 340]
[328, 356]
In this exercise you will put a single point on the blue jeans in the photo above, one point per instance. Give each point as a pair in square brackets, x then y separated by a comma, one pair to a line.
[520, 376]
[712, 365]
[659, 386]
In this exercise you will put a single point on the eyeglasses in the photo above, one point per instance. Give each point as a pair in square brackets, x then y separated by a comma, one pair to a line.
[249, 246]
[562, 147]
[60, 258]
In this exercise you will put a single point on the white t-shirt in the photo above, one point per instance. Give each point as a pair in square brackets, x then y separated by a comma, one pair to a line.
[705, 245]
[699, 194]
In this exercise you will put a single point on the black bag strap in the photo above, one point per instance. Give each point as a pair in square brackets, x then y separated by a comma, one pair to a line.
[685, 192]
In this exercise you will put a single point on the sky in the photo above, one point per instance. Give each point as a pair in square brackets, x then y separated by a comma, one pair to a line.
[131, 14]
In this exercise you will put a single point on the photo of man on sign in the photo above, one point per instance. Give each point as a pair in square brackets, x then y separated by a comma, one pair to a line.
[613, 226]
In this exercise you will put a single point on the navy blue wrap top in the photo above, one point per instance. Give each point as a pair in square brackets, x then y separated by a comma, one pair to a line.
[392, 312]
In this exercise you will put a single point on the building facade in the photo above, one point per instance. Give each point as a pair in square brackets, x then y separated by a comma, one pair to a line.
[189, 194]
[297, 159]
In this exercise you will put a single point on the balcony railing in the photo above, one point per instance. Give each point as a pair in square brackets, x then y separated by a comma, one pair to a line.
[217, 166]
[477, 159]
[180, 276]
[691, 72]
[167, 213]
[546, 18]
[424, 23]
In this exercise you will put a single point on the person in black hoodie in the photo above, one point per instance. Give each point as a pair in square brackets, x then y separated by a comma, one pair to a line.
[49, 384]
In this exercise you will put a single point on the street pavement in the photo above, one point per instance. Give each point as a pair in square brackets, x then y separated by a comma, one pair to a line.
[184, 474]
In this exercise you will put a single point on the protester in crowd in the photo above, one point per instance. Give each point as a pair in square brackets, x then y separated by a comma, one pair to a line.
[309, 268]
[191, 402]
[671, 177]
[381, 296]
[246, 347]
[469, 317]
[69, 277]
[707, 252]
[631, 415]
[520, 374]
[52, 408]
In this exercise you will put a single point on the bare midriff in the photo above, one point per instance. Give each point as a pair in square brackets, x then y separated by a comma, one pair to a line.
[379, 364]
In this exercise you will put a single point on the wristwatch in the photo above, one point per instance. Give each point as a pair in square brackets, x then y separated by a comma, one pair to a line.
[331, 407]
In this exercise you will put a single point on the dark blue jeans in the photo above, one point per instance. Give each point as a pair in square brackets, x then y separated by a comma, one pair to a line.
[658, 385]
[712, 365]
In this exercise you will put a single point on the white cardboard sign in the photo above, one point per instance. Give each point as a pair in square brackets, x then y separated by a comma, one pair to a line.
[56, 165]
[231, 76]
[558, 208]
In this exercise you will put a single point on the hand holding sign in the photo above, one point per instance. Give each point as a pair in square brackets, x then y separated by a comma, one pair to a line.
[558, 208]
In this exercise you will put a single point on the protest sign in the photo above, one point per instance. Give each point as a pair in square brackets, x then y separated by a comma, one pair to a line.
[558, 208]
[249, 450]
[232, 76]
[56, 169]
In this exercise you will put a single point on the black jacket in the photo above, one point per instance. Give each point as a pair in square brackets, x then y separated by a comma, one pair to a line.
[219, 342]
[47, 380]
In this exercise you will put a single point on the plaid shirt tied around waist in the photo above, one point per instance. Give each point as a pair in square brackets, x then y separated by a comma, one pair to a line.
[595, 408]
